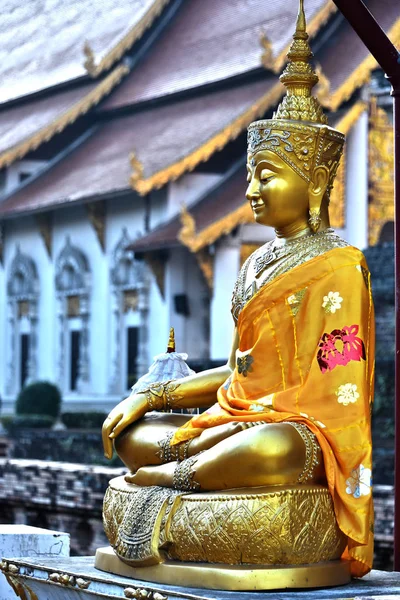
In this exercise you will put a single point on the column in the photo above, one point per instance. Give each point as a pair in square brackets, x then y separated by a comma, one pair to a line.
[357, 184]
[226, 269]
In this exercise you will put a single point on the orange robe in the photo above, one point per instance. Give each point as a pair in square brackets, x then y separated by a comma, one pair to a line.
[306, 354]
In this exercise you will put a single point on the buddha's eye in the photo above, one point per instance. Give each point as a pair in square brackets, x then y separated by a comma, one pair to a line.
[266, 175]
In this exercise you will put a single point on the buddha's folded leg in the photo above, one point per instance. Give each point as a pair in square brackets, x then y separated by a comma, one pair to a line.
[146, 442]
[269, 454]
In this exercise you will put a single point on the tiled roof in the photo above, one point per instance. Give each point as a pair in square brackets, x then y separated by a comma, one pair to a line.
[344, 58]
[210, 41]
[23, 128]
[41, 43]
[194, 51]
[160, 137]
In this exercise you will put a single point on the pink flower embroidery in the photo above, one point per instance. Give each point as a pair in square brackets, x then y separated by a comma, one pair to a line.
[330, 355]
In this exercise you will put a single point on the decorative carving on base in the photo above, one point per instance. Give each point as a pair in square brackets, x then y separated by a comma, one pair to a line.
[261, 526]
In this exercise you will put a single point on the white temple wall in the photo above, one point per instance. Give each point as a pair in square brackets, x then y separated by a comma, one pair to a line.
[226, 268]
[184, 278]
[74, 223]
[23, 233]
[125, 221]
[187, 189]
[356, 232]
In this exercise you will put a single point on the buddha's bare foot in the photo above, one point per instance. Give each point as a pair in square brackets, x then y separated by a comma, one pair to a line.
[153, 475]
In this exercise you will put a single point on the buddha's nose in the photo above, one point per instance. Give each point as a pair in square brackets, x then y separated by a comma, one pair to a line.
[253, 192]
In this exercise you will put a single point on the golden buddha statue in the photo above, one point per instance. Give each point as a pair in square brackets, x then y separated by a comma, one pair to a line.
[277, 471]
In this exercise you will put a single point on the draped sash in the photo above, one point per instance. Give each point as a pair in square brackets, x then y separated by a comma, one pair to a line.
[306, 354]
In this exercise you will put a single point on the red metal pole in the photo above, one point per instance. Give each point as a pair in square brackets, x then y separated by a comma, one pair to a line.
[388, 58]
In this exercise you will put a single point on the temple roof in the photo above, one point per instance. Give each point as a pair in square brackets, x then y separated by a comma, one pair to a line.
[216, 213]
[41, 44]
[168, 139]
[162, 135]
[210, 41]
[24, 127]
[345, 60]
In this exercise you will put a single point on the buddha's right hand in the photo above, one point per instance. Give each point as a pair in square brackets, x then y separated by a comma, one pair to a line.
[126, 412]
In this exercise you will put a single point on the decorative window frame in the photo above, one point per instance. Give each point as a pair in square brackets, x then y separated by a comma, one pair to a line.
[73, 259]
[24, 268]
[127, 274]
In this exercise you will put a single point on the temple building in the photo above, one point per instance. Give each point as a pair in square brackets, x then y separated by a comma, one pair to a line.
[122, 175]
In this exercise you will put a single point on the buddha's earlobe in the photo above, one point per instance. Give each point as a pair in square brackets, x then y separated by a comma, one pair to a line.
[316, 191]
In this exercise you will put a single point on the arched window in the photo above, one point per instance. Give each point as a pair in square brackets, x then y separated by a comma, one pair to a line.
[22, 296]
[130, 299]
[73, 288]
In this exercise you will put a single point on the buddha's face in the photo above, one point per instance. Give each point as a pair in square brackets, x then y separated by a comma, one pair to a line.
[277, 194]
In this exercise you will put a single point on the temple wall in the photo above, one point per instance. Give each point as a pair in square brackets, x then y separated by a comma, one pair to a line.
[23, 233]
[226, 268]
[124, 216]
[188, 189]
[75, 224]
[186, 290]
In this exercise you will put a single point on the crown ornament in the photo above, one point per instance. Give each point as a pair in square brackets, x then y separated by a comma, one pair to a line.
[298, 131]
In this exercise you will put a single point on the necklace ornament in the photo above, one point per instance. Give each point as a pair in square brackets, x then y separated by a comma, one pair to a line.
[289, 256]
[275, 253]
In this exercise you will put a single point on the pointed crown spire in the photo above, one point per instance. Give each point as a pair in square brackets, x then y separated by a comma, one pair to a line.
[299, 78]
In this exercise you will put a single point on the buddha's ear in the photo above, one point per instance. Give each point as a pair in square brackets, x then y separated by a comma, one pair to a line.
[318, 186]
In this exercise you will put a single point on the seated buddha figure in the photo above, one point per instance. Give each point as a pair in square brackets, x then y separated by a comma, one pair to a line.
[292, 405]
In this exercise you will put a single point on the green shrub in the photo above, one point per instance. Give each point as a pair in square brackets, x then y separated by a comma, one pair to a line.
[15, 422]
[40, 398]
[83, 420]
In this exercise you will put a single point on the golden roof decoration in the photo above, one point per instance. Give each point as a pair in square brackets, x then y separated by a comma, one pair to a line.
[322, 91]
[267, 57]
[187, 232]
[90, 61]
[125, 43]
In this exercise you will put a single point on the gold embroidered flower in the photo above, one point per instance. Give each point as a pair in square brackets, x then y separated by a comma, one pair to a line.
[347, 394]
[359, 482]
[332, 302]
[257, 408]
[244, 364]
[295, 301]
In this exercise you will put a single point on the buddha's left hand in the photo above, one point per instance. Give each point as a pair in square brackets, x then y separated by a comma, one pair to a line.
[126, 412]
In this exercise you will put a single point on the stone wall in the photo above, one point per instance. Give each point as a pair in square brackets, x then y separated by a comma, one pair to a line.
[68, 497]
[60, 496]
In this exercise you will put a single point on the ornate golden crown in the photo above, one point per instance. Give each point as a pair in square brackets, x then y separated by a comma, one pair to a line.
[298, 131]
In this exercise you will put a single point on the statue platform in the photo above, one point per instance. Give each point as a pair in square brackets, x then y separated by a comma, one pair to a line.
[76, 578]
